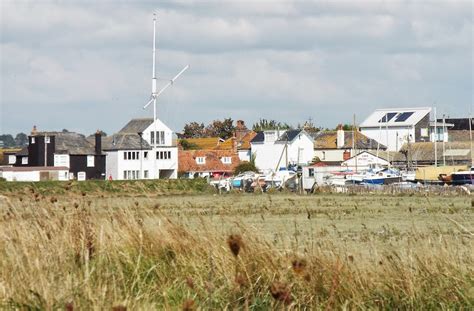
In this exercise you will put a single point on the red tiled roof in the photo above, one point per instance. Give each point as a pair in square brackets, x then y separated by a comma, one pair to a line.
[187, 161]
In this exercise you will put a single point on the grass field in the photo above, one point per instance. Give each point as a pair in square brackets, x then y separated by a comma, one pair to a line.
[100, 249]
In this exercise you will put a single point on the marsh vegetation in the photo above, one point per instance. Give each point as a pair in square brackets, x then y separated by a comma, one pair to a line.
[140, 250]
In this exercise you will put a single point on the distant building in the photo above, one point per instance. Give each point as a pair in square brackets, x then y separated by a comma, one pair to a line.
[84, 160]
[274, 149]
[142, 149]
[207, 163]
[423, 154]
[337, 146]
[395, 127]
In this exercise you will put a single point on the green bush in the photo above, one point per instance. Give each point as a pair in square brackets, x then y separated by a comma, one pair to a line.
[245, 167]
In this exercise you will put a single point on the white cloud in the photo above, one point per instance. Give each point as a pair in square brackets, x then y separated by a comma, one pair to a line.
[277, 59]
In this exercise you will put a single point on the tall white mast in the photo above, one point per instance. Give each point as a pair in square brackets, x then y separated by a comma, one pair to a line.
[153, 77]
[155, 93]
[436, 138]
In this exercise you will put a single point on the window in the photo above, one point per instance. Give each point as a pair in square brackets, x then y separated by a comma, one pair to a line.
[311, 172]
[226, 160]
[404, 116]
[138, 155]
[11, 159]
[386, 118]
[152, 138]
[169, 154]
[47, 139]
[33, 140]
[424, 132]
[124, 174]
[133, 156]
[200, 160]
[90, 161]
[125, 155]
[145, 155]
[162, 137]
[145, 174]
[24, 160]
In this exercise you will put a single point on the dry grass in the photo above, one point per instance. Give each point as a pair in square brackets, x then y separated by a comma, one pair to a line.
[236, 251]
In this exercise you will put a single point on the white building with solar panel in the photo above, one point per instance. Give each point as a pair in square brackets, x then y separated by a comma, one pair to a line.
[395, 127]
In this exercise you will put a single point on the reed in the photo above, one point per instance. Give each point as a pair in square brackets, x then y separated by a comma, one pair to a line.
[237, 251]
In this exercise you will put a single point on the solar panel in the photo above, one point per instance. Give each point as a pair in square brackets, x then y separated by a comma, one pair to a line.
[389, 116]
[404, 116]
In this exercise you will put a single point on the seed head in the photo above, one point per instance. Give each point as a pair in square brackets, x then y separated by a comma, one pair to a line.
[190, 282]
[281, 292]
[351, 258]
[69, 306]
[188, 305]
[299, 265]
[235, 243]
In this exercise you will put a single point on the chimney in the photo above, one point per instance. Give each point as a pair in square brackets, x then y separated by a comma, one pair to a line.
[34, 131]
[340, 137]
[98, 142]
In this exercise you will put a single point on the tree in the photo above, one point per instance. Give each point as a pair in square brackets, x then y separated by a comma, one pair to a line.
[193, 130]
[8, 140]
[21, 140]
[223, 129]
[264, 124]
[245, 167]
[187, 145]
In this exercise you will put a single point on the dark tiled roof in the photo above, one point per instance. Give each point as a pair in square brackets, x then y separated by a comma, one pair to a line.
[124, 141]
[136, 125]
[71, 143]
[259, 138]
[459, 123]
[289, 135]
[424, 151]
[23, 152]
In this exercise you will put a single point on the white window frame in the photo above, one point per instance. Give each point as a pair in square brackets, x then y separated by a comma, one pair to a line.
[47, 139]
[90, 161]
[201, 160]
[33, 140]
[24, 160]
[226, 160]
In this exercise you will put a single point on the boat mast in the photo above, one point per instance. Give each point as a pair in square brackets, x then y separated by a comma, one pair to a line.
[444, 145]
[436, 139]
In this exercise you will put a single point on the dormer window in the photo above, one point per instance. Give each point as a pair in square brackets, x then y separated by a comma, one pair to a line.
[47, 140]
[32, 140]
[226, 160]
[201, 160]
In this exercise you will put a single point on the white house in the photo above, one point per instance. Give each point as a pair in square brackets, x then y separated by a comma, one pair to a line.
[393, 127]
[142, 149]
[276, 148]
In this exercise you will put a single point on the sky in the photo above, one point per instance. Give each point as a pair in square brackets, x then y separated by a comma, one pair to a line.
[87, 65]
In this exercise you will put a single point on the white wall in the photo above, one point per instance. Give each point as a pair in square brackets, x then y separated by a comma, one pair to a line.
[116, 164]
[331, 155]
[364, 161]
[268, 153]
[397, 136]
[61, 160]
[33, 175]
[244, 155]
